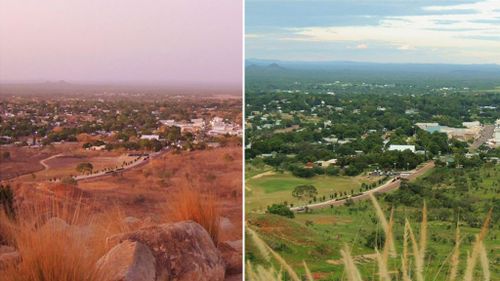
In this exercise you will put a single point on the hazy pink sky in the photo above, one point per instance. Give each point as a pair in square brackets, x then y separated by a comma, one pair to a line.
[121, 40]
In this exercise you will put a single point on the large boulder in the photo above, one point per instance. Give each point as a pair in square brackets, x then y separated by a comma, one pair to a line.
[9, 258]
[128, 261]
[183, 251]
[232, 255]
[55, 224]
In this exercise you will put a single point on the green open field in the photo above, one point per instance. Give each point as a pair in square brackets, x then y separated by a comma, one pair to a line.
[317, 237]
[264, 187]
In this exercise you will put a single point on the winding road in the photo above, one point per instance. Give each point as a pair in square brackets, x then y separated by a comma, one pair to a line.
[138, 163]
[390, 185]
[45, 165]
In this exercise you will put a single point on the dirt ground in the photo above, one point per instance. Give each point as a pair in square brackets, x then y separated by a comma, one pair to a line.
[145, 191]
[25, 160]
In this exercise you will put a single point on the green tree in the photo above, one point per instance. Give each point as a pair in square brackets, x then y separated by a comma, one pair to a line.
[85, 167]
[281, 210]
[304, 191]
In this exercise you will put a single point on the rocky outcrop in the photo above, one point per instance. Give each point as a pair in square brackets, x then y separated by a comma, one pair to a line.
[55, 224]
[232, 255]
[182, 251]
[8, 256]
[128, 261]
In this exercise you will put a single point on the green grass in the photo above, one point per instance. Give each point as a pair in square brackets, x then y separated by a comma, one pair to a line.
[277, 188]
[317, 237]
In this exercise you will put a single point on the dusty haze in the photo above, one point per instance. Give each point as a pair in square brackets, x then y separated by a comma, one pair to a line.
[174, 41]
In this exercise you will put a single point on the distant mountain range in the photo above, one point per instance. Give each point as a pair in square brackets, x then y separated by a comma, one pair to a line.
[342, 69]
[350, 65]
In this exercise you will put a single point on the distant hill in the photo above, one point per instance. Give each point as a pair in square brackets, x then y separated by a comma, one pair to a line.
[367, 71]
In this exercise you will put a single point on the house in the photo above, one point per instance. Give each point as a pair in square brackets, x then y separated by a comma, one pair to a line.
[426, 126]
[150, 137]
[471, 124]
[97, 147]
[326, 163]
[400, 147]
[198, 122]
[169, 123]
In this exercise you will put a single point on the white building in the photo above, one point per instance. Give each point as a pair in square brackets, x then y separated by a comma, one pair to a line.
[425, 126]
[472, 124]
[170, 122]
[150, 137]
[400, 147]
[198, 122]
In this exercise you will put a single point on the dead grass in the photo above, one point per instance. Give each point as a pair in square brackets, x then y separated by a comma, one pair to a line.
[202, 208]
[54, 252]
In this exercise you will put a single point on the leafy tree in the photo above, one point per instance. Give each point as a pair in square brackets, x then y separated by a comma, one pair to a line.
[5, 155]
[85, 167]
[332, 170]
[280, 209]
[307, 191]
[375, 240]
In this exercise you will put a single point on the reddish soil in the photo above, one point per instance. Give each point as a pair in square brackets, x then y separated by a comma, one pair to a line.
[25, 160]
[145, 192]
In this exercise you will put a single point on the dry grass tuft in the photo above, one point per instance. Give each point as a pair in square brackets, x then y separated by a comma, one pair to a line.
[54, 252]
[190, 204]
[266, 250]
[404, 258]
[309, 276]
[476, 249]
[384, 223]
[350, 268]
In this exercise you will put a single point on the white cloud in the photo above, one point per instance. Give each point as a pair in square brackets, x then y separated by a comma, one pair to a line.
[458, 31]
[361, 46]
[405, 48]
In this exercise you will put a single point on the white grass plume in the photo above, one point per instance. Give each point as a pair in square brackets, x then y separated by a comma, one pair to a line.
[472, 260]
[383, 221]
[351, 269]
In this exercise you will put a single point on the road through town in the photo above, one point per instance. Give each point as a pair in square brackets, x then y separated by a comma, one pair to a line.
[390, 185]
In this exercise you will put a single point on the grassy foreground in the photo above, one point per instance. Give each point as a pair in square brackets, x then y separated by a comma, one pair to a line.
[320, 238]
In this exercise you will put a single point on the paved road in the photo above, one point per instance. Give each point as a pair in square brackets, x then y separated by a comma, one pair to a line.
[485, 134]
[138, 163]
[385, 187]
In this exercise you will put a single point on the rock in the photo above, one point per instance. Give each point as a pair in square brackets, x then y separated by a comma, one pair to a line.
[226, 224]
[6, 249]
[132, 222]
[183, 251]
[128, 261]
[235, 277]
[236, 244]
[55, 224]
[232, 254]
[9, 258]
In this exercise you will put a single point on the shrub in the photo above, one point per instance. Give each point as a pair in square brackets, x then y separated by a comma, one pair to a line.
[7, 201]
[281, 210]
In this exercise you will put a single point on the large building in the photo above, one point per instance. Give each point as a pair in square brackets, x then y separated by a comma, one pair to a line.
[400, 147]
[470, 132]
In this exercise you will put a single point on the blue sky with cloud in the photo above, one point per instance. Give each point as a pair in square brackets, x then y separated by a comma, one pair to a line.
[377, 31]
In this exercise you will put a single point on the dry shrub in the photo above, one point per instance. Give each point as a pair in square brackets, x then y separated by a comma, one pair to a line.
[191, 204]
[50, 252]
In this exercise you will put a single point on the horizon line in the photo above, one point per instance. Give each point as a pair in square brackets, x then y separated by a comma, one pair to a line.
[364, 61]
